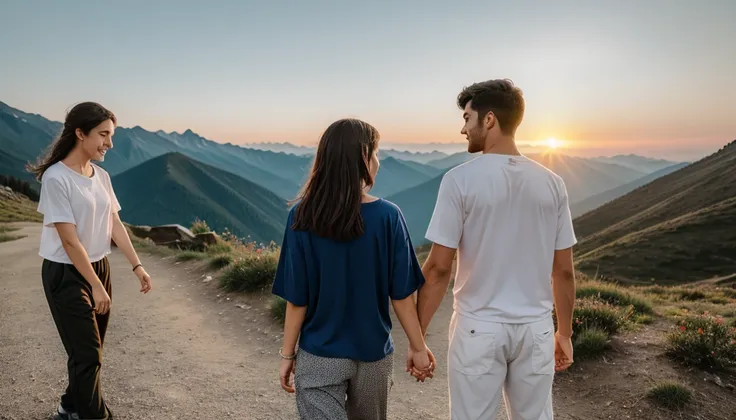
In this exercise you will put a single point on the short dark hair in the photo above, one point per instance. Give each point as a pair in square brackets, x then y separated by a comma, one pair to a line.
[499, 96]
[330, 201]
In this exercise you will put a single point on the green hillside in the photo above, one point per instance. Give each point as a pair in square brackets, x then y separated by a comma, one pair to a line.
[678, 228]
[417, 204]
[173, 188]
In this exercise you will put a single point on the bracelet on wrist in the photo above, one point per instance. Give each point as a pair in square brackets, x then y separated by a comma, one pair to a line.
[291, 357]
[136, 266]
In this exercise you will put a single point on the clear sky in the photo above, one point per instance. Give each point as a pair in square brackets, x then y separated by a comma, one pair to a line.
[654, 77]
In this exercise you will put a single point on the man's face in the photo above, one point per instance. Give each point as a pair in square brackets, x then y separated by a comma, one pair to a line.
[474, 130]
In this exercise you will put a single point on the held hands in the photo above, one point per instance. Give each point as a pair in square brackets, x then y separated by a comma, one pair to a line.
[144, 278]
[563, 352]
[420, 364]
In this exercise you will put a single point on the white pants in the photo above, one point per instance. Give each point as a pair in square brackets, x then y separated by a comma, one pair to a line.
[488, 359]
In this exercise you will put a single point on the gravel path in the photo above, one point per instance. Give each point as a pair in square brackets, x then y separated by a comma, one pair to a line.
[184, 349]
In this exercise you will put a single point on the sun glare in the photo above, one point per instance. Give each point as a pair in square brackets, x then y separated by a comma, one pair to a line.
[553, 143]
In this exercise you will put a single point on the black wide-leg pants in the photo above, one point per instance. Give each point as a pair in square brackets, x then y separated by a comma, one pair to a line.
[82, 332]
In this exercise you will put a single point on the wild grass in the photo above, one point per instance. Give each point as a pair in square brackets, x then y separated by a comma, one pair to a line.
[670, 395]
[19, 211]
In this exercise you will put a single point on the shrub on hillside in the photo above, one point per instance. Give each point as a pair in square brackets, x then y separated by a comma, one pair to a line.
[703, 341]
[690, 294]
[590, 313]
[252, 273]
[220, 247]
[190, 256]
[615, 296]
[220, 261]
[670, 395]
[278, 308]
[200, 226]
[590, 343]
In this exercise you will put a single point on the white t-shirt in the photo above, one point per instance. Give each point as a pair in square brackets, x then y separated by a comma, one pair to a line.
[506, 215]
[88, 202]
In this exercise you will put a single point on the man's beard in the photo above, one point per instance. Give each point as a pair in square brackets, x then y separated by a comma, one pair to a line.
[475, 141]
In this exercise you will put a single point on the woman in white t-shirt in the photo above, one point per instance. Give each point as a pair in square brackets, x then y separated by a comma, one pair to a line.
[80, 213]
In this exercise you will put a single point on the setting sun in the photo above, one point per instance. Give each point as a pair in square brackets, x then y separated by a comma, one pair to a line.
[553, 143]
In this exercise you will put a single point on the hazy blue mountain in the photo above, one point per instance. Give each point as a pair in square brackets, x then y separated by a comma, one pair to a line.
[395, 175]
[405, 155]
[9, 165]
[417, 204]
[409, 156]
[452, 160]
[638, 163]
[173, 188]
[24, 136]
[274, 171]
[595, 201]
[583, 178]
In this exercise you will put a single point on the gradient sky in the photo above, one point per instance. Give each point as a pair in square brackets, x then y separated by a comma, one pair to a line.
[651, 77]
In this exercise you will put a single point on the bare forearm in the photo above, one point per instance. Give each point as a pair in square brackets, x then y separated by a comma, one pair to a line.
[563, 289]
[76, 252]
[406, 311]
[122, 240]
[431, 294]
[292, 327]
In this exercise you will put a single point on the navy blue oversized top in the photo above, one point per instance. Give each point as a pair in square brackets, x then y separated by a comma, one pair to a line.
[347, 286]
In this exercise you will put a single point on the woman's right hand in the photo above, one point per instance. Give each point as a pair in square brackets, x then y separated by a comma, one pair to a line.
[101, 299]
[286, 373]
[422, 364]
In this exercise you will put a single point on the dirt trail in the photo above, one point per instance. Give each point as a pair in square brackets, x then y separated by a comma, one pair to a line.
[187, 349]
[180, 350]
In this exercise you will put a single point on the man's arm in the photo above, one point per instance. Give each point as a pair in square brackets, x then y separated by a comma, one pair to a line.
[437, 270]
[445, 232]
[563, 290]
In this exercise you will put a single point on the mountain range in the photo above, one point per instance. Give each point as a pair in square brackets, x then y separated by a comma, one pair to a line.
[174, 187]
[677, 228]
[186, 161]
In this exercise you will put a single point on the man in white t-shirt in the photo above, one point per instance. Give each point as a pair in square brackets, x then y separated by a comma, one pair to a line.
[509, 220]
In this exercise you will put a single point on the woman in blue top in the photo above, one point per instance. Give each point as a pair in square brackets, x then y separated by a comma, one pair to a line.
[344, 256]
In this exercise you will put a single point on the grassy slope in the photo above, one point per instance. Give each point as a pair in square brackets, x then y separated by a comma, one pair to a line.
[674, 229]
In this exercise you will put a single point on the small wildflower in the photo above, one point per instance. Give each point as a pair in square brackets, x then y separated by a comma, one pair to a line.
[700, 331]
[683, 328]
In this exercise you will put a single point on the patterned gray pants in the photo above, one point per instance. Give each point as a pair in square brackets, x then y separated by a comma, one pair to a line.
[342, 389]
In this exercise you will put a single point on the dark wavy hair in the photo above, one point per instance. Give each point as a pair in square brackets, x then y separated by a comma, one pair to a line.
[329, 204]
[84, 116]
[499, 96]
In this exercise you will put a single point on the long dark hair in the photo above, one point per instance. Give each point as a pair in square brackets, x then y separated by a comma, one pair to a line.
[330, 200]
[84, 116]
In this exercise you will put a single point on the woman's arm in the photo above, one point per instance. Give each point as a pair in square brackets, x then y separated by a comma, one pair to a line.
[76, 252]
[122, 240]
[292, 327]
[406, 311]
